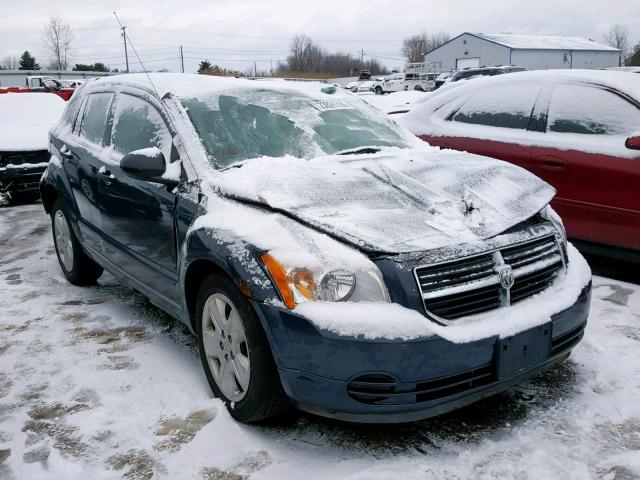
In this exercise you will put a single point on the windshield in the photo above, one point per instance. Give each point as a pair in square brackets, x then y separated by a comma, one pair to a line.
[237, 125]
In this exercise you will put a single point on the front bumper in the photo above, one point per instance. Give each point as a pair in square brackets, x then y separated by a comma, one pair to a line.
[385, 381]
[21, 179]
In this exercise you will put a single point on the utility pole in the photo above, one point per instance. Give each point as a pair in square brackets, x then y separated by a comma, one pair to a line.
[181, 59]
[126, 55]
[255, 69]
[362, 59]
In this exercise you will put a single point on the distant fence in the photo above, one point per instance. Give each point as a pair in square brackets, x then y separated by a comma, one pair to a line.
[18, 78]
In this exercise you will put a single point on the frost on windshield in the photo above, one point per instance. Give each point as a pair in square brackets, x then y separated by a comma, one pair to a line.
[244, 124]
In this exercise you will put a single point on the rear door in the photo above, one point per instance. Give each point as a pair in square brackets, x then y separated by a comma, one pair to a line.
[81, 152]
[492, 122]
[583, 155]
[138, 216]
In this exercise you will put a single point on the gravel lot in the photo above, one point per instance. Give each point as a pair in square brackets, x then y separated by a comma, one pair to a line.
[97, 383]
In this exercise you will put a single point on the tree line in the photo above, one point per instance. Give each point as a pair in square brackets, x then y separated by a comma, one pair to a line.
[306, 57]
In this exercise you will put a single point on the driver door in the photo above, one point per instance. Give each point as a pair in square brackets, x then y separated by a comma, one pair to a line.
[137, 215]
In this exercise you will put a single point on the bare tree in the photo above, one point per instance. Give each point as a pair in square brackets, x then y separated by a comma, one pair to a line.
[57, 39]
[415, 46]
[9, 63]
[305, 55]
[618, 37]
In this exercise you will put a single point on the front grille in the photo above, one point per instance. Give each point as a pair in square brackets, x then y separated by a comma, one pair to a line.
[481, 283]
[382, 389]
[22, 158]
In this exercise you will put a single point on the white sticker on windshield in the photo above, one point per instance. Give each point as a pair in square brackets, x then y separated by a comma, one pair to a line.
[325, 106]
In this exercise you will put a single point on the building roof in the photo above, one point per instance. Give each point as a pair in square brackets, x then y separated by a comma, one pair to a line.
[543, 42]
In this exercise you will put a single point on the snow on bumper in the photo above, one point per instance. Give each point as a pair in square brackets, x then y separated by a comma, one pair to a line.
[390, 321]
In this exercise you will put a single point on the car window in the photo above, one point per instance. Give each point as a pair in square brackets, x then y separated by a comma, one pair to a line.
[95, 117]
[244, 124]
[137, 124]
[505, 106]
[591, 111]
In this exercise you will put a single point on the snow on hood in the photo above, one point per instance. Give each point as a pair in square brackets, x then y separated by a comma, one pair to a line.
[397, 200]
[25, 120]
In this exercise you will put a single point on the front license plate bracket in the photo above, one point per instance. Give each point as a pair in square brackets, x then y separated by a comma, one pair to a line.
[523, 350]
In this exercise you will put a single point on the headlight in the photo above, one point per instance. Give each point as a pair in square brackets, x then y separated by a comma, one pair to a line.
[300, 284]
[550, 214]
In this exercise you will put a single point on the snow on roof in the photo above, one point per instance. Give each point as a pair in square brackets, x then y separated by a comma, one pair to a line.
[25, 120]
[191, 85]
[544, 42]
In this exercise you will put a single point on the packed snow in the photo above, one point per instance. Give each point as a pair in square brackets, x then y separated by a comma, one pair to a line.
[97, 383]
[25, 120]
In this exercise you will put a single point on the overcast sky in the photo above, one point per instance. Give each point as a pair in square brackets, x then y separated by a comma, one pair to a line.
[237, 33]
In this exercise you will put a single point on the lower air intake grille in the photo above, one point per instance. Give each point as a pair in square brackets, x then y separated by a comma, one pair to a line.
[382, 389]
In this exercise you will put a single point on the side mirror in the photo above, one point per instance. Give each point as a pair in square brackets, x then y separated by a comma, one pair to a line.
[633, 142]
[146, 164]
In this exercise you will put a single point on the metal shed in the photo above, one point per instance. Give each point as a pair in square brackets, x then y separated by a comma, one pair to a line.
[530, 51]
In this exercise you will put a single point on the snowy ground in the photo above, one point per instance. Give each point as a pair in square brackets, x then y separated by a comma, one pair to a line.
[97, 383]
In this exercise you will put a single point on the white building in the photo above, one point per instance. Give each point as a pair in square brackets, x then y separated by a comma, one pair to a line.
[530, 51]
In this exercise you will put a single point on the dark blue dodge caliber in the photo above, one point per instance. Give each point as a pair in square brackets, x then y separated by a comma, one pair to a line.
[323, 256]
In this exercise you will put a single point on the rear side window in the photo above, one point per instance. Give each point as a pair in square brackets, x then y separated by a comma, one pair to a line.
[591, 111]
[137, 124]
[95, 117]
[505, 106]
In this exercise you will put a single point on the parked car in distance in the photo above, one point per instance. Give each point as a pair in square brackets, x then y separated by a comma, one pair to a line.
[441, 78]
[25, 120]
[41, 84]
[470, 73]
[626, 69]
[324, 257]
[578, 130]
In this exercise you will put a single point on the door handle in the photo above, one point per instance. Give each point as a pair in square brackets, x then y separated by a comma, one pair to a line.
[552, 164]
[106, 175]
[64, 150]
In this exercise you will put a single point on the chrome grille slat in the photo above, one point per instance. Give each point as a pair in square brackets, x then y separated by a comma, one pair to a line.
[463, 287]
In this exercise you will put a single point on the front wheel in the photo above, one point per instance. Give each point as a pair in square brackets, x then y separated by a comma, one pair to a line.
[235, 353]
[77, 267]
[379, 91]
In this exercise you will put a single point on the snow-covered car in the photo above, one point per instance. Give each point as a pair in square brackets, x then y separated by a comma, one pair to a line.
[366, 87]
[470, 73]
[324, 256]
[579, 130]
[25, 120]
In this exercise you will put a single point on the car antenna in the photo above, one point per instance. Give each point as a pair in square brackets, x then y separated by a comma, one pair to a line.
[127, 37]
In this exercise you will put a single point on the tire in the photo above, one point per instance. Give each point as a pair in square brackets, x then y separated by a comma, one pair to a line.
[249, 397]
[76, 266]
[418, 88]
[379, 91]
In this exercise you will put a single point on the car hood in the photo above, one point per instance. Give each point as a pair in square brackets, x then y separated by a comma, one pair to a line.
[396, 200]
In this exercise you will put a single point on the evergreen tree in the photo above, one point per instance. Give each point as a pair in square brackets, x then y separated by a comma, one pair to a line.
[204, 67]
[633, 60]
[28, 62]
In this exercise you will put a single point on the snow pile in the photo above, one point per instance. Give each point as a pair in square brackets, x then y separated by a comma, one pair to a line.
[25, 120]
[394, 322]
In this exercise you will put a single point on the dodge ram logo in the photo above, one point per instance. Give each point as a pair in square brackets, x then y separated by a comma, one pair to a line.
[505, 276]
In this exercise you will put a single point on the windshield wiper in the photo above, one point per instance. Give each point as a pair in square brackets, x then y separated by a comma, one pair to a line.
[359, 151]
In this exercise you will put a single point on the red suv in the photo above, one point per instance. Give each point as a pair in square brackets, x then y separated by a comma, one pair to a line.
[579, 130]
